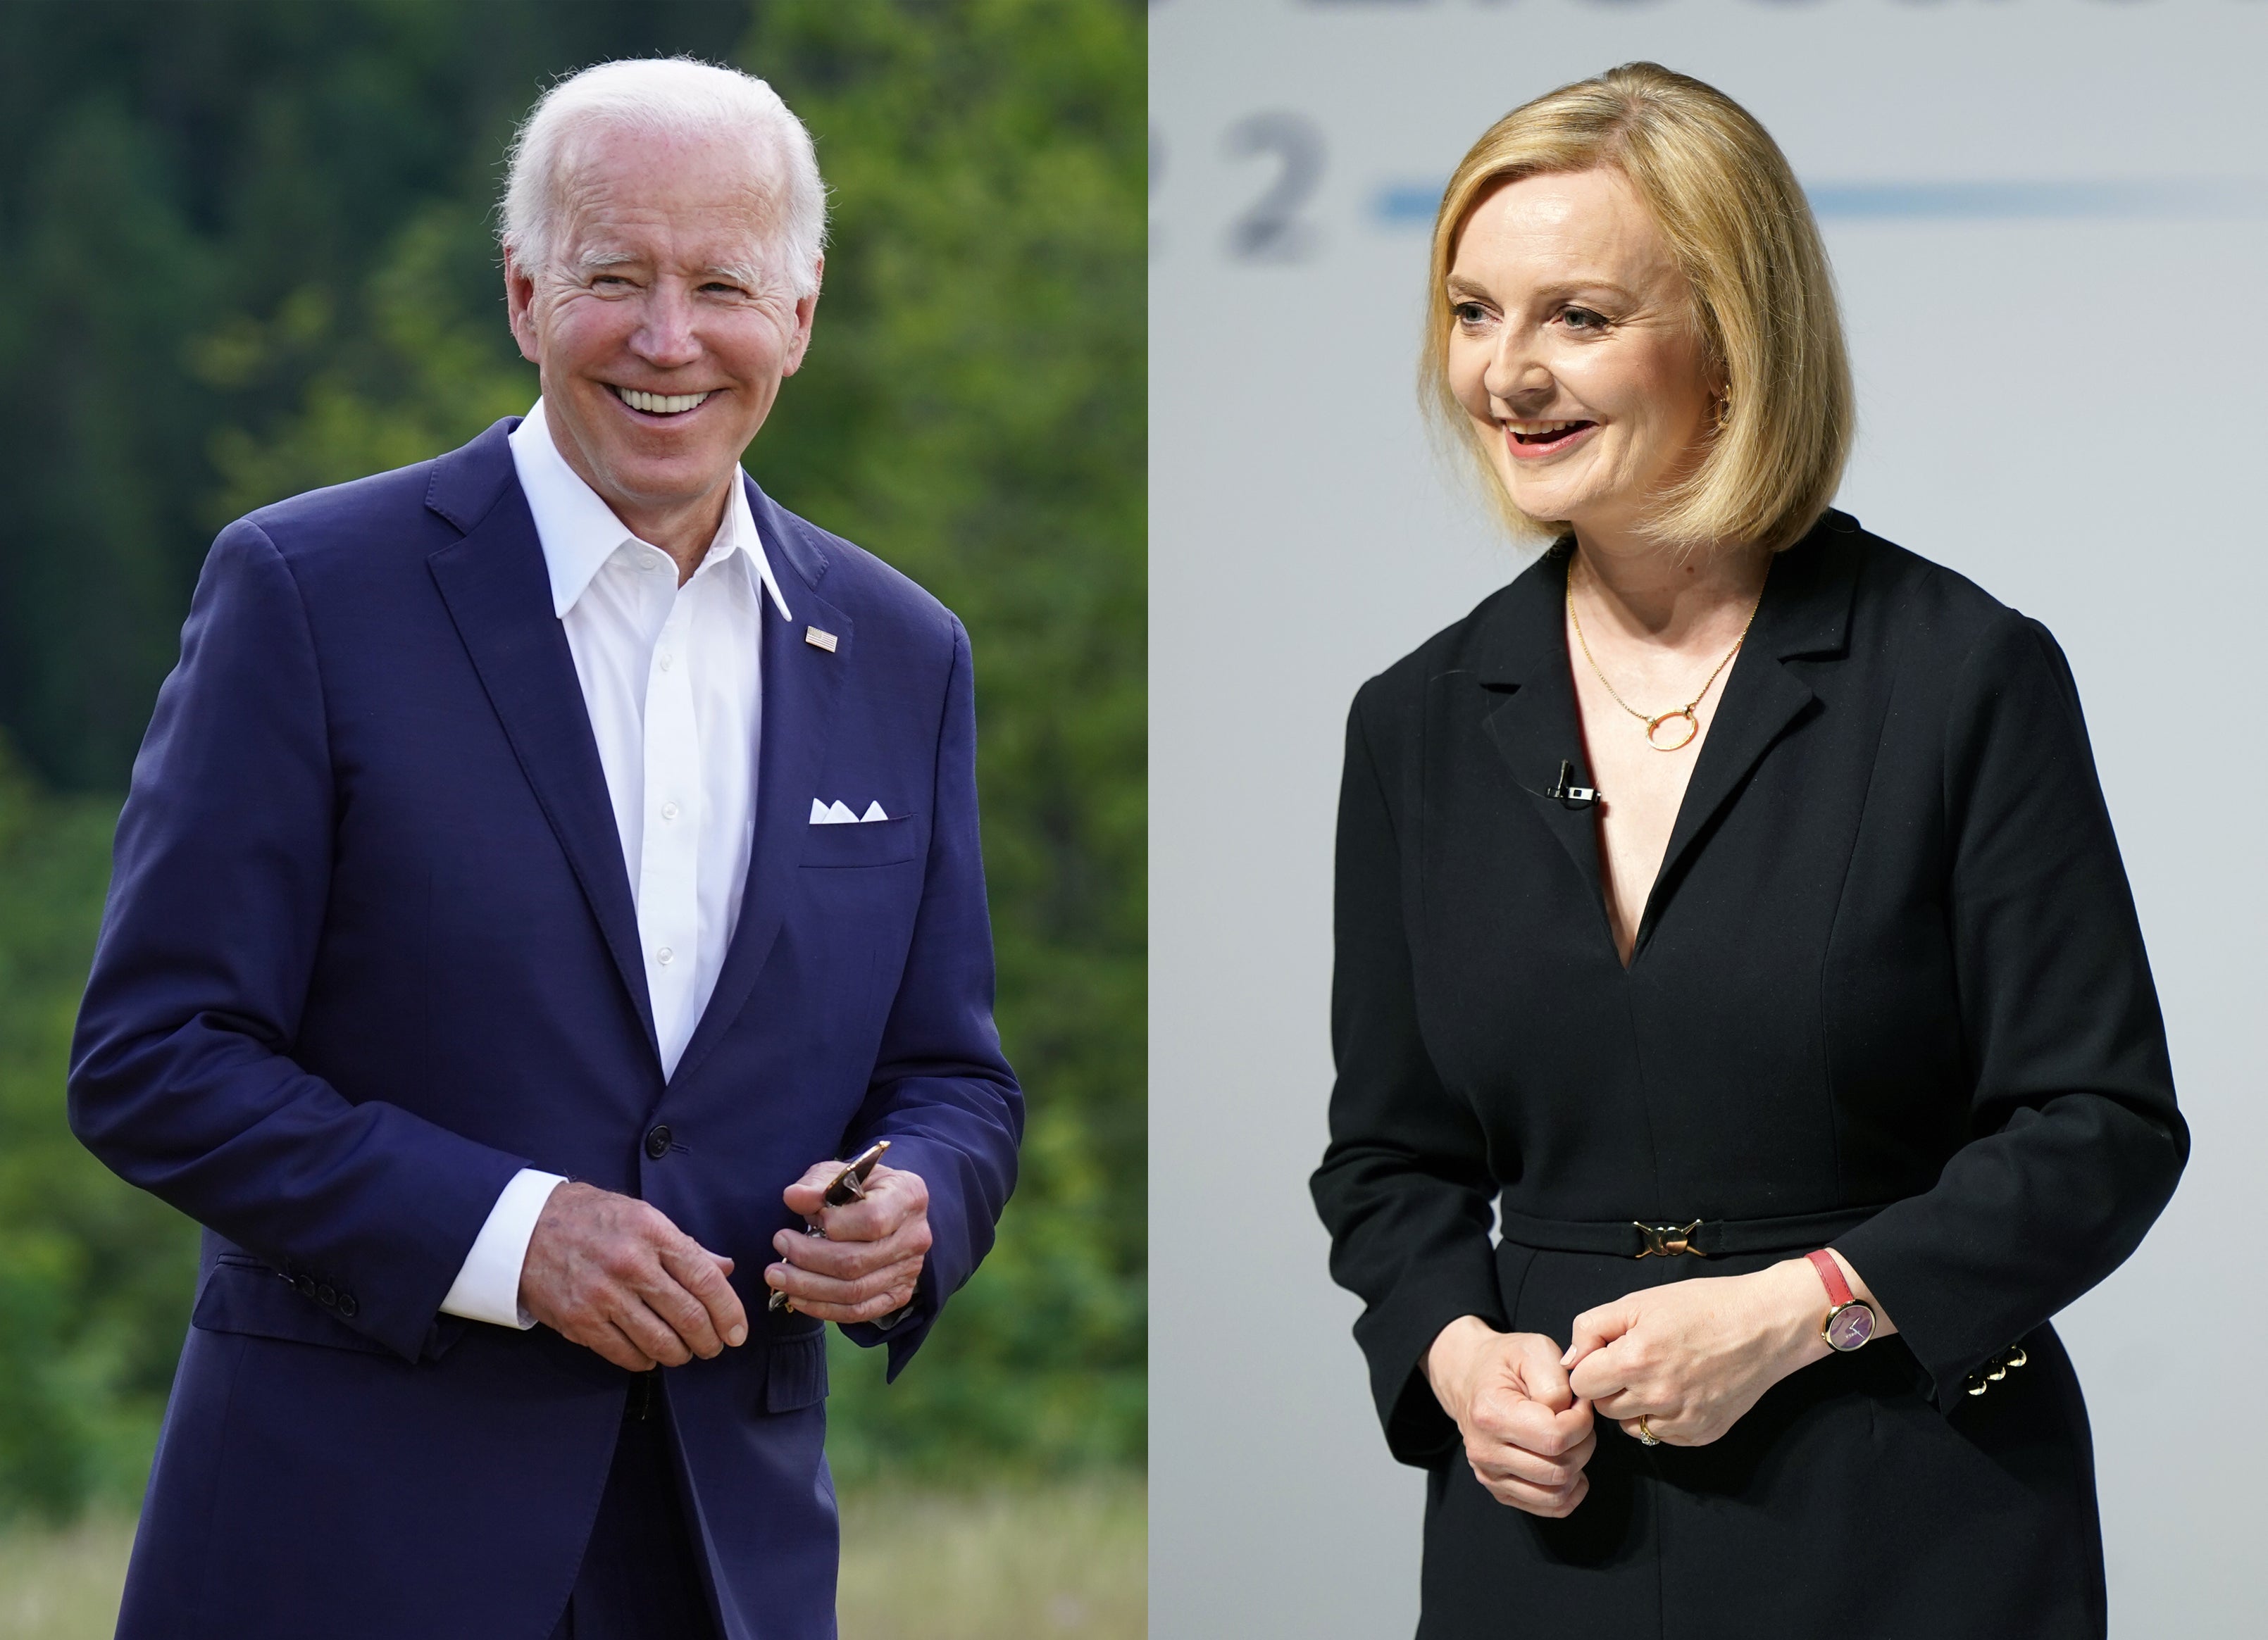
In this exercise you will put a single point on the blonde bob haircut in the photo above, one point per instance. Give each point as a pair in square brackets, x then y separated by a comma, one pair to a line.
[1763, 298]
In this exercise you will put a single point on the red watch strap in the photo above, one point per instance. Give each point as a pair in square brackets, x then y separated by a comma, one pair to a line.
[1838, 1291]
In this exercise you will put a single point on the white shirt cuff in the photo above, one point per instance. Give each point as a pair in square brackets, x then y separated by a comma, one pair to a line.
[487, 1288]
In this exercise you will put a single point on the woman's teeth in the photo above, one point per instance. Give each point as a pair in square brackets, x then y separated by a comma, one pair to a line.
[1542, 432]
[659, 403]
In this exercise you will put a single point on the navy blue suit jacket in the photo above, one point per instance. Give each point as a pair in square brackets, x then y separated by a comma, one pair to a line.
[371, 949]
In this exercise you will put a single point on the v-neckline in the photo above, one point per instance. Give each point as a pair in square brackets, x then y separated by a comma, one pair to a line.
[1602, 855]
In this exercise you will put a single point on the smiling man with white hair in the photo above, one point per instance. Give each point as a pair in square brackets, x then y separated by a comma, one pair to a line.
[545, 867]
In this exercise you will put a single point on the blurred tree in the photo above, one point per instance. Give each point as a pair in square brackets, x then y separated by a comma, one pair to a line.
[974, 411]
[170, 172]
[260, 235]
[95, 1279]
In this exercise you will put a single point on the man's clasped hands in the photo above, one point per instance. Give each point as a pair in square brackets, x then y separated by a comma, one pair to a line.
[612, 1273]
[1690, 1357]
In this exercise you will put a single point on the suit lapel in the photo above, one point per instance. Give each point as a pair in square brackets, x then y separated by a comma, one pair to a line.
[494, 583]
[802, 687]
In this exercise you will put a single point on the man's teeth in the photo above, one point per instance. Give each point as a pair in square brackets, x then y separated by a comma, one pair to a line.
[659, 403]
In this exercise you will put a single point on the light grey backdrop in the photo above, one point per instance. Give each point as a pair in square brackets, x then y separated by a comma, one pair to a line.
[2049, 223]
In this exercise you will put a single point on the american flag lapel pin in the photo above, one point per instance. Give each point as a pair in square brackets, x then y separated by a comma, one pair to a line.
[817, 639]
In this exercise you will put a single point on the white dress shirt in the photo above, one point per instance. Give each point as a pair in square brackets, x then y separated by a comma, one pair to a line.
[671, 682]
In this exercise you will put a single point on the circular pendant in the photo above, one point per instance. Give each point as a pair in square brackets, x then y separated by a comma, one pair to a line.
[1683, 715]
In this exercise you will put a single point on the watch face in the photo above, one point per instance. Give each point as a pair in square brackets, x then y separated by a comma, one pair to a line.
[1850, 1325]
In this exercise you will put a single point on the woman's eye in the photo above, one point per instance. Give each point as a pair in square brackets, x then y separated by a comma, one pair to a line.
[1470, 313]
[1583, 319]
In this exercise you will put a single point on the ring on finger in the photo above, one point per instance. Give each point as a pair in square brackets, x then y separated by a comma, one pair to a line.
[1645, 1435]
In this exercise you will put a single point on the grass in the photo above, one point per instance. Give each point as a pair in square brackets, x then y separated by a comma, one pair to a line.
[1060, 1562]
[1068, 1562]
[63, 1586]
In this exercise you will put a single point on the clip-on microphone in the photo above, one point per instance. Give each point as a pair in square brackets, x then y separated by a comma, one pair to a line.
[1567, 794]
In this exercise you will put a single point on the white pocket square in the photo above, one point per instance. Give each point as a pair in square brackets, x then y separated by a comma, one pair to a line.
[839, 813]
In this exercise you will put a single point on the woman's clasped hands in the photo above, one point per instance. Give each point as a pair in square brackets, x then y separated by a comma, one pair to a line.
[1693, 1356]
[1690, 1357]
[1526, 1436]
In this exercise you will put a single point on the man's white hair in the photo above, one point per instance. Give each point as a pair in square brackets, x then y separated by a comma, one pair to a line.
[676, 98]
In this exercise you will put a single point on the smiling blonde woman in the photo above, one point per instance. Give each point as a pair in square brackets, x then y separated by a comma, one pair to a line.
[1726, 911]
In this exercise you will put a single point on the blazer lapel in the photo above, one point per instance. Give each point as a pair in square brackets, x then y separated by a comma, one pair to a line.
[1523, 655]
[1535, 731]
[1523, 652]
[494, 583]
[802, 687]
[1805, 611]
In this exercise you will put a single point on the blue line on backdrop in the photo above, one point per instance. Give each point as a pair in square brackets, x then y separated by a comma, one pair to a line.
[1412, 204]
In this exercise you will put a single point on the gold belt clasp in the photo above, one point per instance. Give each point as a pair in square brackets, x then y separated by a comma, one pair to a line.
[1669, 1240]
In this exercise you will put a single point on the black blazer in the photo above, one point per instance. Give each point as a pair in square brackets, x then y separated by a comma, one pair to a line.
[1889, 992]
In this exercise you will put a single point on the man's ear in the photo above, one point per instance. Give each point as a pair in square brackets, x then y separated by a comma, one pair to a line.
[807, 308]
[518, 303]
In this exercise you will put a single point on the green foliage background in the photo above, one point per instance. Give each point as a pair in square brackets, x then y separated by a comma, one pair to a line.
[252, 250]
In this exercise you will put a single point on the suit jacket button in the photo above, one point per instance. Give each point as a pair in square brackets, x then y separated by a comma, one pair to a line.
[327, 1297]
[657, 1141]
[347, 1306]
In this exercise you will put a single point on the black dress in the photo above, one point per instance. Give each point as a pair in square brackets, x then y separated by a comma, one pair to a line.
[1889, 993]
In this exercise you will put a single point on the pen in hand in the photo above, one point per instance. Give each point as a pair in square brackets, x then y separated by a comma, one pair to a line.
[848, 1186]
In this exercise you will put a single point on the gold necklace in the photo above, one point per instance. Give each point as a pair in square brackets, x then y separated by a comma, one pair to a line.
[1686, 711]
